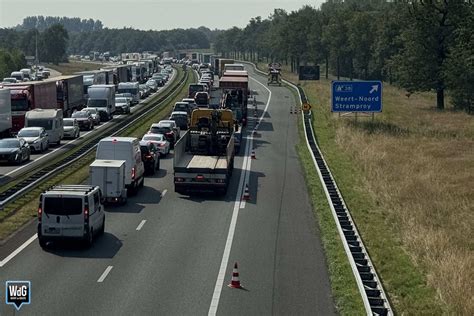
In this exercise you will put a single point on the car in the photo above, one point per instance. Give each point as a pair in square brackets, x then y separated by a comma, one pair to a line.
[36, 137]
[122, 105]
[150, 157]
[10, 80]
[160, 79]
[202, 99]
[14, 150]
[181, 118]
[71, 128]
[84, 120]
[195, 88]
[206, 82]
[126, 95]
[144, 90]
[184, 107]
[152, 84]
[70, 212]
[162, 144]
[95, 115]
[167, 129]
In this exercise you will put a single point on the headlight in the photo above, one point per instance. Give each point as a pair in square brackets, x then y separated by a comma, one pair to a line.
[36, 141]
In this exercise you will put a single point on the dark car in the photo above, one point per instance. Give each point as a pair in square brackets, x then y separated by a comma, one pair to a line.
[150, 157]
[181, 118]
[194, 88]
[202, 99]
[183, 106]
[14, 150]
[166, 129]
[84, 119]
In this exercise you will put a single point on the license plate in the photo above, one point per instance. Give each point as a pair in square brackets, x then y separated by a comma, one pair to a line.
[53, 230]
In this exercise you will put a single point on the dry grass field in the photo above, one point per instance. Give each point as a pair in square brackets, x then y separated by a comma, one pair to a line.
[413, 166]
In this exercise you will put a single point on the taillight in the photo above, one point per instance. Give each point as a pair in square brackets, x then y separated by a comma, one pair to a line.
[86, 213]
[179, 179]
[199, 178]
[161, 144]
[133, 173]
[40, 212]
[147, 156]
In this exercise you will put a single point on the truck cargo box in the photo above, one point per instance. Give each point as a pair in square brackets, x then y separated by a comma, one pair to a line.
[109, 175]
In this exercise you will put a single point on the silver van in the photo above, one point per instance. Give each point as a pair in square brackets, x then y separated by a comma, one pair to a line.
[70, 212]
[128, 149]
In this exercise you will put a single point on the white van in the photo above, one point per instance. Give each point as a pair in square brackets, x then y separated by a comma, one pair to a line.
[50, 119]
[18, 75]
[70, 212]
[128, 149]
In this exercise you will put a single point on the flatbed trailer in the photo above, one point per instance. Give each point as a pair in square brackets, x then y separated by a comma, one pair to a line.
[200, 163]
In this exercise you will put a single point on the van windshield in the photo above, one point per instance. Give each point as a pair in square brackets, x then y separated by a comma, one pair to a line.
[46, 124]
[62, 205]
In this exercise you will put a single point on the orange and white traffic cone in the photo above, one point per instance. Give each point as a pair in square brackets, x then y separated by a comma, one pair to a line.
[246, 196]
[235, 282]
[252, 155]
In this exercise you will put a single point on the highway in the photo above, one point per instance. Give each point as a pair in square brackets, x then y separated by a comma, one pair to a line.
[170, 254]
[8, 171]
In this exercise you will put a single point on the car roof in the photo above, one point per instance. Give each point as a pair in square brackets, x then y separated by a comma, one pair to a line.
[179, 113]
[153, 134]
[32, 128]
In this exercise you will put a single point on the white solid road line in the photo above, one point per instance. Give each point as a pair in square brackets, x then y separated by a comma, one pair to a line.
[246, 164]
[141, 224]
[164, 192]
[18, 250]
[104, 275]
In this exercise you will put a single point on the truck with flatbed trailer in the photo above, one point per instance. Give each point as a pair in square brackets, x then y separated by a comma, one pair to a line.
[204, 155]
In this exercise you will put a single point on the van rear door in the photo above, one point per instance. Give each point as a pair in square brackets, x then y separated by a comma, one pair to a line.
[63, 216]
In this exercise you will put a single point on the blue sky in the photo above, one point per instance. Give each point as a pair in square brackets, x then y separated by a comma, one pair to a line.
[150, 14]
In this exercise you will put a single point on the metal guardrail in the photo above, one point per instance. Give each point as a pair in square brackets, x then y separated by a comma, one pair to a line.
[370, 286]
[43, 174]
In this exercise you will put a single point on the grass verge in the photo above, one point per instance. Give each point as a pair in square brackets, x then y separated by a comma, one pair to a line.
[344, 288]
[407, 179]
[24, 209]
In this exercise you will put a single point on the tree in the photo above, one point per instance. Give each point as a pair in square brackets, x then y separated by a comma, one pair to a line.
[54, 43]
[426, 40]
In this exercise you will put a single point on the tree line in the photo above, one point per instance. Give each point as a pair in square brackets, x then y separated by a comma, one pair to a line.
[41, 23]
[417, 45]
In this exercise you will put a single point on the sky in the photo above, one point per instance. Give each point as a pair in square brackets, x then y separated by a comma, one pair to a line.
[150, 14]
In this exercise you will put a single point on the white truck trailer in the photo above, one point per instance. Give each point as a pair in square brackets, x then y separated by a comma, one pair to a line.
[109, 175]
[5, 113]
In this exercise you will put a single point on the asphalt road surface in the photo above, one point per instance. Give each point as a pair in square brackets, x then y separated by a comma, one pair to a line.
[170, 254]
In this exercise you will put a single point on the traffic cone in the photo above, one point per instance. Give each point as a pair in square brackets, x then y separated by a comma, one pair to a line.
[246, 196]
[252, 155]
[235, 282]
